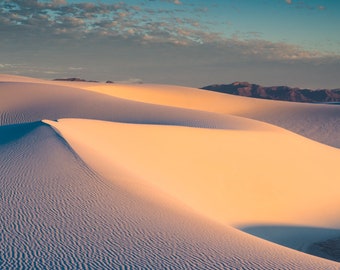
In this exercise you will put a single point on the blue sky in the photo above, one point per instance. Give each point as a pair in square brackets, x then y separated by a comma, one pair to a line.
[187, 42]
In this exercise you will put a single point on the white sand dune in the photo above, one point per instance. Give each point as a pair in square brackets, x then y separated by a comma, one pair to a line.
[319, 122]
[30, 102]
[233, 176]
[154, 177]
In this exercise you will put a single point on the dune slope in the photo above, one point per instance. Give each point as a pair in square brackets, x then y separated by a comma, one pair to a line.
[316, 121]
[233, 176]
[30, 102]
[56, 212]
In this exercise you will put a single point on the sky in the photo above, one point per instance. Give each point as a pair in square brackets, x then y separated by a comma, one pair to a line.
[183, 42]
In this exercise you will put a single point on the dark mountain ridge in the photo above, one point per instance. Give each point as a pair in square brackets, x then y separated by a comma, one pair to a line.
[284, 93]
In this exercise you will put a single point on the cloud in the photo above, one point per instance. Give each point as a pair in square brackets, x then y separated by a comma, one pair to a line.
[75, 68]
[49, 72]
[131, 80]
[6, 66]
[83, 20]
[303, 5]
[58, 2]
[63, 23]
[176, 2]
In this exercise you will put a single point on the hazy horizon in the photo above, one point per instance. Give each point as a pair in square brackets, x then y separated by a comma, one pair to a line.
[183, 42]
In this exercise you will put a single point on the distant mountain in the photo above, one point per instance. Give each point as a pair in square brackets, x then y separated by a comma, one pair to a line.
[73, 80]
[277, 92]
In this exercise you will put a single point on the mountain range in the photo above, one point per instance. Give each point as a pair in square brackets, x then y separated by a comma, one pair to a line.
[284, 93]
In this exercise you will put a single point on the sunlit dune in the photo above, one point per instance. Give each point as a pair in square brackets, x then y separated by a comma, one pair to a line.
[305, 119]
[233, 176]
[137, 176]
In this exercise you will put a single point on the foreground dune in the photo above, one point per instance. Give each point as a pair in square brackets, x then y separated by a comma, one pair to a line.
[140, 176]
[233, 176]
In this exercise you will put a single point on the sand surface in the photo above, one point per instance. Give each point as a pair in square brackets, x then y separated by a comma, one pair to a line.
[163, 177]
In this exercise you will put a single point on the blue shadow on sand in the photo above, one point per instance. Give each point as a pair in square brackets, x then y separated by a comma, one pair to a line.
[321, 242]
[10, 133]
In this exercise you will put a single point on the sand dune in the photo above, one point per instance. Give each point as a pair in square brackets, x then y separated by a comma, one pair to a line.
[30, 102]
[56, 212]
[221, 173]
[316, 121]
[142, 176]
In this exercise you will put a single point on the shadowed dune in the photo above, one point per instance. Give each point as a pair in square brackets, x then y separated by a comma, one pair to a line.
[307, 239]
[13, 132]
[329, 249]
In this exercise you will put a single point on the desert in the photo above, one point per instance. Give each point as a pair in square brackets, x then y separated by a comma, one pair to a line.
[164, 177]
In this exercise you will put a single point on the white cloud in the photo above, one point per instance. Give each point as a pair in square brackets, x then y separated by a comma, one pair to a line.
[75, 68]
[8, 66]
[50, 72]
[120, 21]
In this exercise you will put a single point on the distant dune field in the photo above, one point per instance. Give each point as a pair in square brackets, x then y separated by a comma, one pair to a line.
[123, 176]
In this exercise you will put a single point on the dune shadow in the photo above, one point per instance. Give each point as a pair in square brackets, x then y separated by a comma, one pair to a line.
[328, 249]
[321, 242]
[10, 133]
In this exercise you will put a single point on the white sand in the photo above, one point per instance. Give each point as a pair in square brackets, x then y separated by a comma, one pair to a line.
[155, 176]
[233, 176]
[316, 121]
